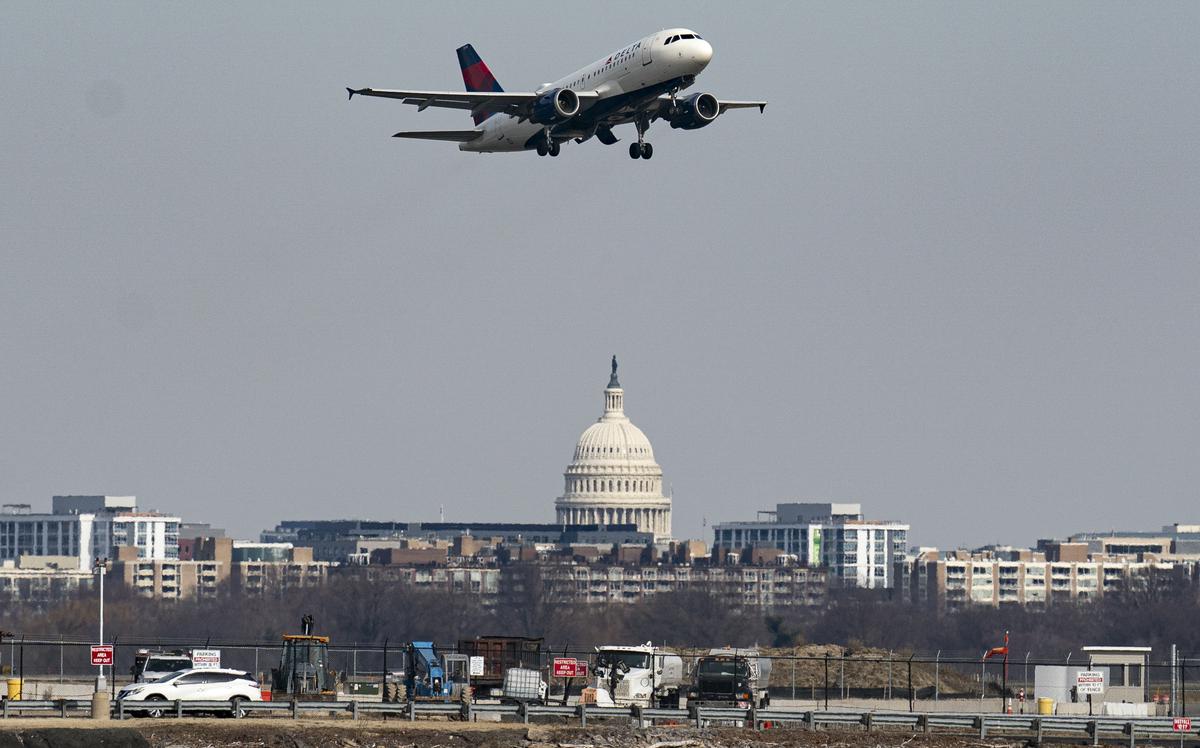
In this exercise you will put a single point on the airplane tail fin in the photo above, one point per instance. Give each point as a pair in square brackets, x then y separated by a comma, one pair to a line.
[476, 75]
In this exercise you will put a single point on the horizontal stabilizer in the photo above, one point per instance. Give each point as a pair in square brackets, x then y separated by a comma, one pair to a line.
[454, 136]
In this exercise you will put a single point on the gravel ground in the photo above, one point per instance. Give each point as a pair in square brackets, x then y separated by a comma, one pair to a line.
[198, 733]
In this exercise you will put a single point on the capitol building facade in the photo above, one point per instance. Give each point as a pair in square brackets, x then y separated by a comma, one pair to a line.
[613, 478]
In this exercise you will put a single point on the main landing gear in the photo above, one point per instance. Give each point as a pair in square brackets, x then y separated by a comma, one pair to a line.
[641, 149]
[548, 146]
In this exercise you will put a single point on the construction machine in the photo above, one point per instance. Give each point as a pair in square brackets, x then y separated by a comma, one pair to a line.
[304, 673]
[430, 675]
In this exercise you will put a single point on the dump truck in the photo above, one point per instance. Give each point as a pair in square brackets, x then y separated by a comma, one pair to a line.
[731, 677]
[639, 675]
[500, 654]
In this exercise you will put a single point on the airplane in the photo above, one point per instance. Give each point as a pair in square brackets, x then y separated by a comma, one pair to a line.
[638, 84]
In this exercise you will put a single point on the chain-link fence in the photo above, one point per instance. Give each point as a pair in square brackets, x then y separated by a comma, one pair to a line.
[816, 676]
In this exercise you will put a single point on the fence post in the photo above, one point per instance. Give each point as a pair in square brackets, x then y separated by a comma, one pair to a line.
[695, 714]
[752, 717]
[937, 676]
[826, 680]
[120, 709]
[635, 716]
[810, 721]
[295, 709]
[62, 708]
[793, 679]
[1094, 731]
[889, 680]
[412, 714]
[1037, 728]
[868, 721]
[923, 723]
[4, 705]
[523, 710]
[353, 710]
[912, 695]
[982, 721]
[583, 714]
[178, 709]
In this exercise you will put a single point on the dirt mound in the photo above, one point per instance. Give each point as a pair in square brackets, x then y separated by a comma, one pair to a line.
[865, 669]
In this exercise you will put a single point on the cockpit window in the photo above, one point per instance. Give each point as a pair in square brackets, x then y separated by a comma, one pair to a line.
[687, 36]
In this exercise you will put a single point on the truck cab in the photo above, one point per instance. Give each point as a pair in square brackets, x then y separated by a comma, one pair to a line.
[731, 677]
[150, 665]
[640, 675]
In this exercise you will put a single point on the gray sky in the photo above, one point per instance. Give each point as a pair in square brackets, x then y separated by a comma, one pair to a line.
[951, 273]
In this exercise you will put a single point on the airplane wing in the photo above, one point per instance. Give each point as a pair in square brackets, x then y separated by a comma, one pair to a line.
[663, 109]
[478, 102]
[762, 105]
[454, 136]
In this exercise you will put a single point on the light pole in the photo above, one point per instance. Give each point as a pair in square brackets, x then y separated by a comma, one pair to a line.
[100, 567]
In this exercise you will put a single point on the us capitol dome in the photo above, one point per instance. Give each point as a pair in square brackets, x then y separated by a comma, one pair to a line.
[613, 479]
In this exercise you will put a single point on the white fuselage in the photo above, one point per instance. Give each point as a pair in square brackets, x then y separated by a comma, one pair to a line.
[639, 66]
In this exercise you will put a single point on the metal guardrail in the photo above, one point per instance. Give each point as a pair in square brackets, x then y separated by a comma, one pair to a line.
[1035, 726]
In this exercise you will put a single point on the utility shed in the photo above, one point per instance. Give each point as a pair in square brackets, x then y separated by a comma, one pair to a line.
[1127, 668]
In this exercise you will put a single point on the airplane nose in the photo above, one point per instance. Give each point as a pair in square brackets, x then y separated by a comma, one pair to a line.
[703, 52]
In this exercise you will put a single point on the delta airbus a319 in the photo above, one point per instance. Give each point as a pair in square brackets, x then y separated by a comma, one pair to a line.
[639, 84]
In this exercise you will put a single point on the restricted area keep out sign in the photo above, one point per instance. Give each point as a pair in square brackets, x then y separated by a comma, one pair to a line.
[568, 667]
[102, 654]
[1182, 724]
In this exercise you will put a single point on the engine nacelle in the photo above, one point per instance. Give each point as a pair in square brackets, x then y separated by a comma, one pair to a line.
[555, 106]
[695, 112]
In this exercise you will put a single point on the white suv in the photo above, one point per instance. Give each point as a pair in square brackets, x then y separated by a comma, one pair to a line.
[209, 684]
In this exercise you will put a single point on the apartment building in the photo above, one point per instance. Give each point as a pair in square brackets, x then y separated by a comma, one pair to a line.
[86, 528]
[857, 552]
[750, 586]
[963, 579]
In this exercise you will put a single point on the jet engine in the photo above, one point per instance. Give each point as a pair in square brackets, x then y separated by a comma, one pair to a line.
[695, 112]
[555, 106]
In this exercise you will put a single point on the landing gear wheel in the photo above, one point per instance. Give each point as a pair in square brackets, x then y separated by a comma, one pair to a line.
[554, 149]
[647, 151]
[635, 150]
[542, 150]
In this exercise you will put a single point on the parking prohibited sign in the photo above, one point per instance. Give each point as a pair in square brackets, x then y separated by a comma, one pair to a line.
[102, 654]
[206, 658]
[1089, 681]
